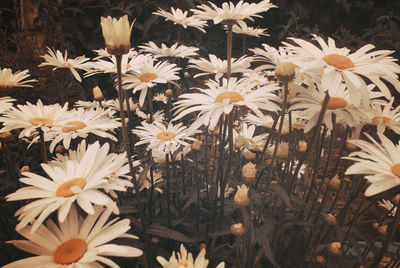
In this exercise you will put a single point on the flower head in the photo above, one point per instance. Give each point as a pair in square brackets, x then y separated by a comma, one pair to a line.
[8, 80]
[180, 51]
[76, 242]
[56, 59]
[177, 16]
[117, 34]
[241, 198]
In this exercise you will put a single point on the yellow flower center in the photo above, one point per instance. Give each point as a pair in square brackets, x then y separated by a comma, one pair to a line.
[179, 21]
[73, 126]
[338, 61]
[166, 135]
[232, 96]
[147, 77]
[336, 103]
[383, 119]
[251, 141]
[396, 170]
[70, 251]
[36, 121]
[64, 190]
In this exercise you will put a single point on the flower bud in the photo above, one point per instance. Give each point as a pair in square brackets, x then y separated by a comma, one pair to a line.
[302, 146]
[334, 248]
[6, 137]
[330, 219]
[334, 183]
[25, 169]
[320, 259]
[249, 172]
[155, 240]
[383, 229]
[241, 198]
[186, 74]
[237, 229]
[97, 94]
[117, 34]
[196, 146]
[285, 71]
[396, 199]
[283, 150]
[169, 93]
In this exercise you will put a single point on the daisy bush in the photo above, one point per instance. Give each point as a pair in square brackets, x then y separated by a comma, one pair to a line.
[177, 153]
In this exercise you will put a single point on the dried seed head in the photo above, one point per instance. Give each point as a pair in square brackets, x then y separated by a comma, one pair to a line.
[249, 172]
[237, 229]
[334, 248]
[6, 137]
[330, 219]
[241, 198]
[196, 146]
[97, 94]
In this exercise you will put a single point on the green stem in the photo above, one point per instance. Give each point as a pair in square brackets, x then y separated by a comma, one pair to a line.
[42, 145]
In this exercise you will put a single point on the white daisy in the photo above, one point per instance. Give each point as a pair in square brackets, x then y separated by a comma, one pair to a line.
[161, 97]
[148, 74]
[159, 155]
[70, 182]
[332, 64]
[379, 161]
[257, 77]
[30, 117]
[382, 115]
[177, 16]
[81, 123]
[219, 67]
[55, 58]
[117, 34]
[231, 13]
[386, 204]
[185, 259]
[6, 103]
[166, 138]
[267, 121]
[146, 182]
[243, 29]
[309, 103]
[158, 116]
[180, 51]
[76, 242]
[106, 104]
[9, 80]
[251, 142]
[217, 99]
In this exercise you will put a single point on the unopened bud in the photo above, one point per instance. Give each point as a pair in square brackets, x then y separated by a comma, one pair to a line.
[302, 146]
[285, 71]
[97, 94]
[6, 137]
[25, 169]
[283, 150]
[383, 229]
[330, 219]
[320, 259]
[241, 198]
[334, 248]
[186, 74]
[155, 240]
[237, 229]
[375, 225]
[196, 146]
[249, 172]
[169, 93]
[60, 149]
[334, 183]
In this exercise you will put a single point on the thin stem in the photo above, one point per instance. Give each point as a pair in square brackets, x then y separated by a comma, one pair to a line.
[150, 103]
[43, 150]
[168, 190]
[229, 49]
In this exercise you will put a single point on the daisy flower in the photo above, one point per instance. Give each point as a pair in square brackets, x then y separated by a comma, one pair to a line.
[243, 29]
[309, 102]
[80, 124]
[166, 138]
[146, 182]
[9, 80]
[382, 115]
[158, 116]
[218, 66]
[70, 182]
[177, 16]
[251, 142]
[231, 13]
[159, 155]
[117, 34]
[76, 242]
[217, 99]
[6, 103]
[380, 162]
[185, 259]
[386, 204]
[106, 104]
[161, 97]
[180, 51]
[257, 77]
[332, 64]
[30, 117]
[267, 121]
[149, 74]
[55, 58]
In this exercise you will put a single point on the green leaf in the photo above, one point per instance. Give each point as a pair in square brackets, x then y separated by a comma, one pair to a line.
[162, 231]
